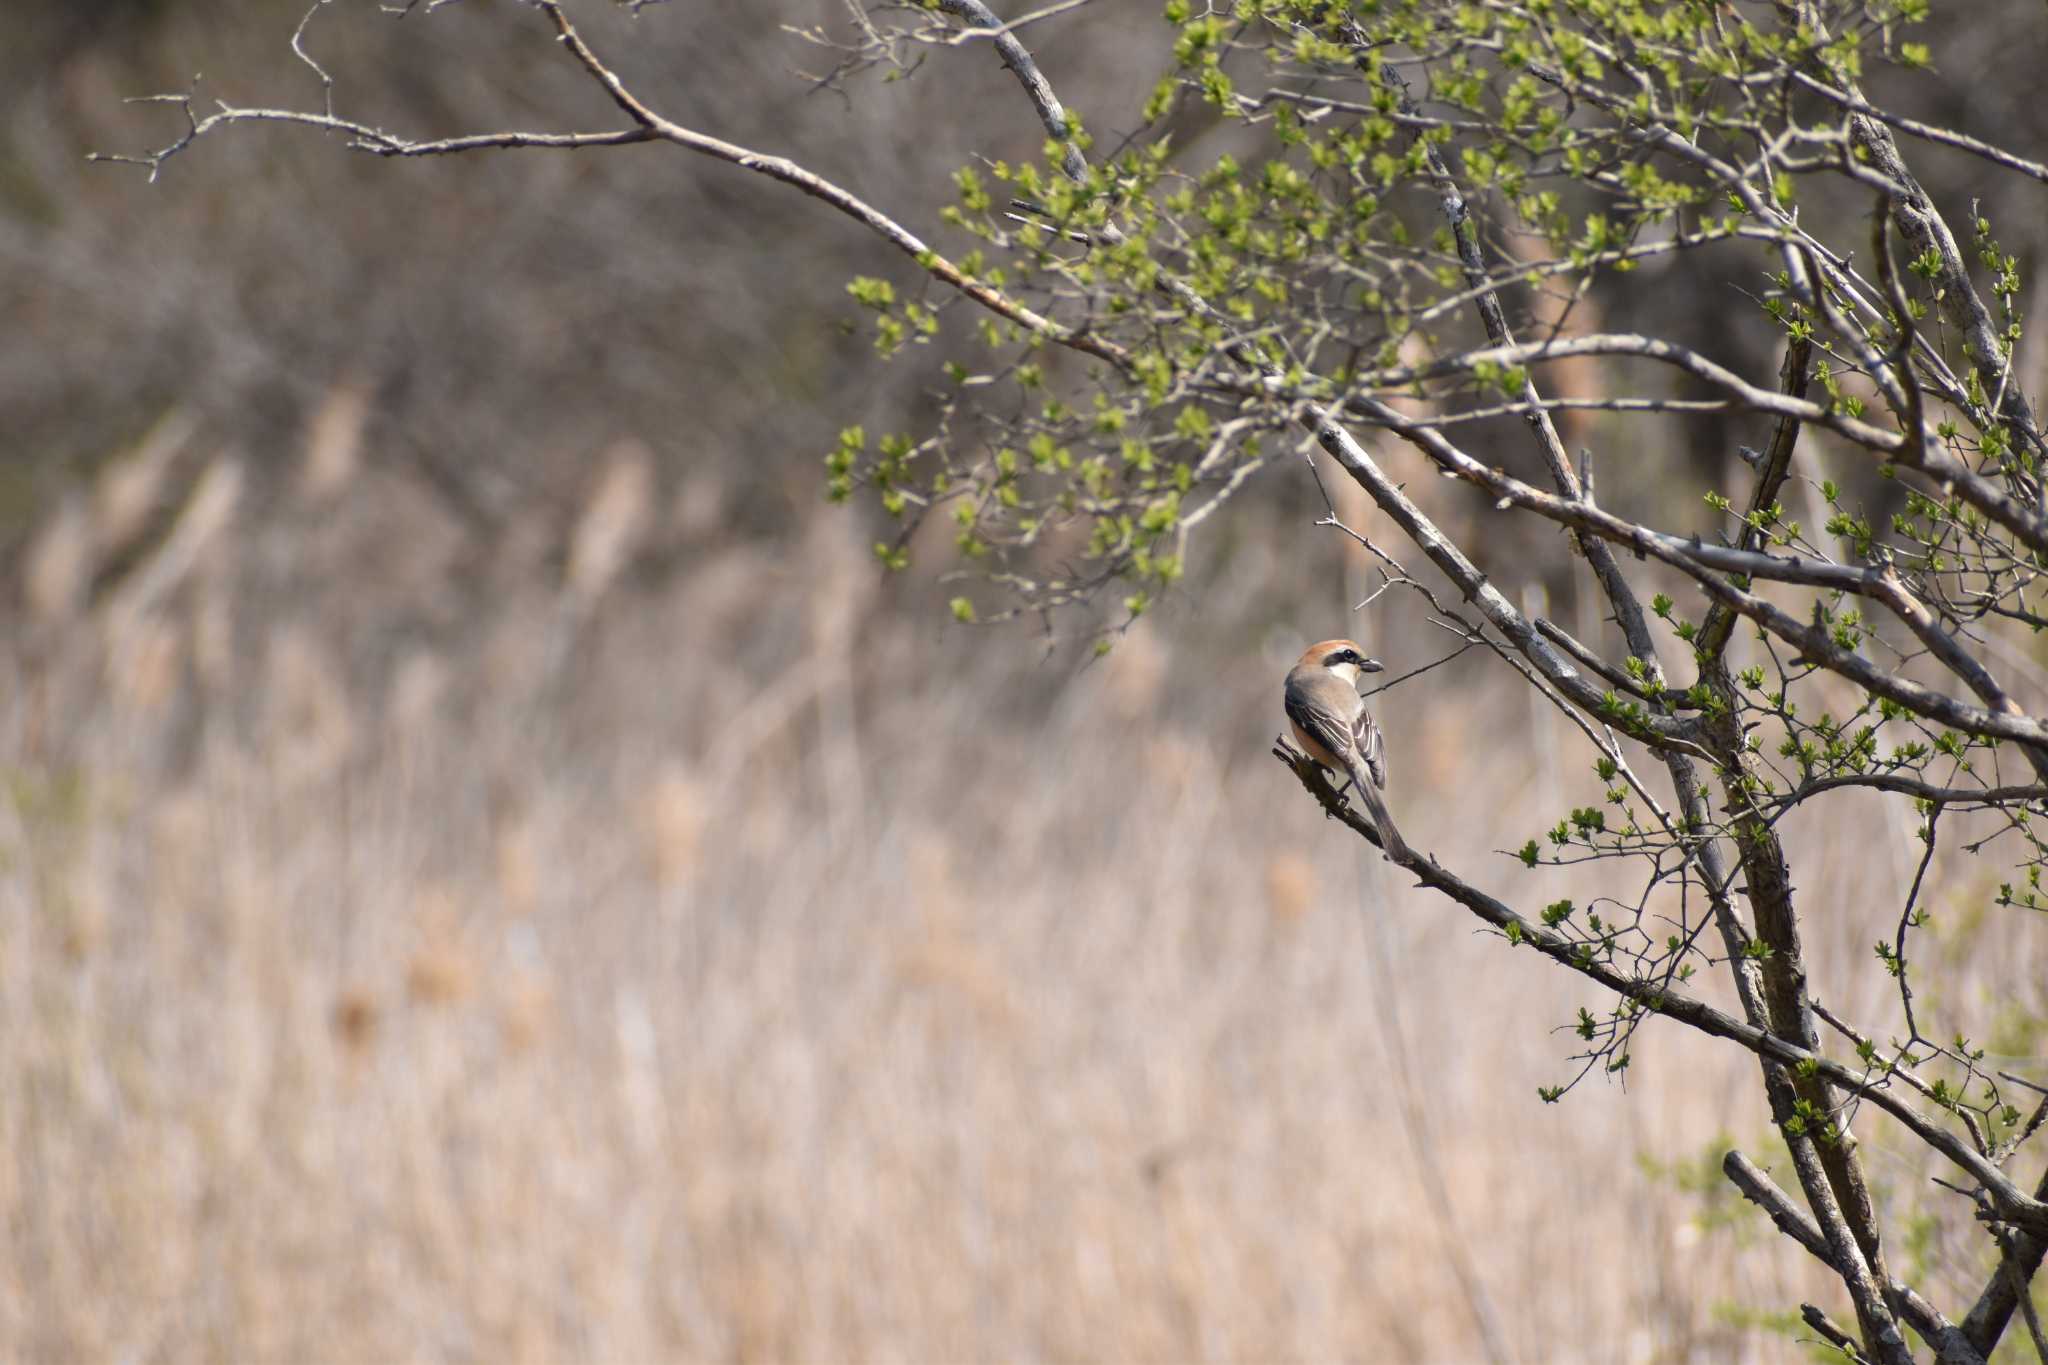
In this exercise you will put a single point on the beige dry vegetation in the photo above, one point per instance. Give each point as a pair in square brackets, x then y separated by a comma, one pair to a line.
[729, 965]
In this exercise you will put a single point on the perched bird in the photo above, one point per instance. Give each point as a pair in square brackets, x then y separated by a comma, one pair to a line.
[1331, 724]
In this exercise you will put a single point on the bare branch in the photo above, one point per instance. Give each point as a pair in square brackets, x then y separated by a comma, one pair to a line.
[1018, 58]
[363, 137]
[1927, 132]
[1004, 30]
[1951, 1346]
[2019, 1261]
[1833, 1335]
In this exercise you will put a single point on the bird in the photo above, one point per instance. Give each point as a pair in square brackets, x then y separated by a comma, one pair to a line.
[1331, 724]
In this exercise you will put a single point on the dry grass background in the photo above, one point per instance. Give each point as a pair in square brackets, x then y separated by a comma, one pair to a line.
[475, 887]
[725, 965]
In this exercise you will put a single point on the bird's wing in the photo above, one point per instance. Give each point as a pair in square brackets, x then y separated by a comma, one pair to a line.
[1372, 746]
[1325, 709]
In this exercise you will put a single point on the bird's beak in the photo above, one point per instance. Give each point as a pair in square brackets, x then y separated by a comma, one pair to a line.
[1372, 666]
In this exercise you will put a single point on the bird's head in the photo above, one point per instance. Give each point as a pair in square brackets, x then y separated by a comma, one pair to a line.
[1342, 657]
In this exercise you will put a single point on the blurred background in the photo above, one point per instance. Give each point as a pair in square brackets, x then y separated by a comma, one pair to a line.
[491, 869]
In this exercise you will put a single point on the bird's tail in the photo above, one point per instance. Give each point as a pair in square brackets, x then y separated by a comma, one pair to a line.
[1391, 842]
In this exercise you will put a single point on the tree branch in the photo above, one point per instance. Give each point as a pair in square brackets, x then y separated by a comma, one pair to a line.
[795, 176]
[1925, 231]
[1771, 474]
[1926, 132]
[1952, 1346]
[2012, 1203]
[2019, 1260]
[1699, 562]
